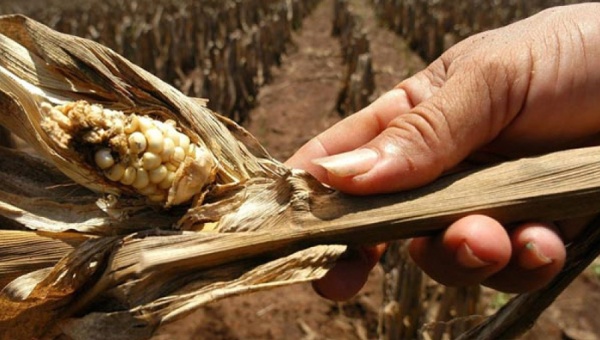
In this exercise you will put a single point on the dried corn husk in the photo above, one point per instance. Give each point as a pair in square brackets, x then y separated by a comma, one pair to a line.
[41, 70]
[117, 265]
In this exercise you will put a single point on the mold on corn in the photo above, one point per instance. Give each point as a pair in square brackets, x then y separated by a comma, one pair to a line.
[143, 155]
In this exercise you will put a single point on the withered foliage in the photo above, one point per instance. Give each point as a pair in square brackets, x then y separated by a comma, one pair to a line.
[82, 256]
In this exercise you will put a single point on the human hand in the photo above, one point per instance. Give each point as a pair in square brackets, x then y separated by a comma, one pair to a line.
[528, 88]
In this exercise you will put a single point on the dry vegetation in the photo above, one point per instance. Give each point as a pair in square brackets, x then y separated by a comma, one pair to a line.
[219, 50]
[226, 51]
[430, 26]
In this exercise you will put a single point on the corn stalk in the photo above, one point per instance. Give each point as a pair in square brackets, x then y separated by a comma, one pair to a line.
[74, 102]
[97, 242]
[431, 27]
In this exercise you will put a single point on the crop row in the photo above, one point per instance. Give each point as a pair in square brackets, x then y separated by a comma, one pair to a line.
[358, 81]
[432, 26]
[220, 50]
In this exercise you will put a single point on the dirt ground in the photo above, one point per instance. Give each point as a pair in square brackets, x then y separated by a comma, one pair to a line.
[295, 106]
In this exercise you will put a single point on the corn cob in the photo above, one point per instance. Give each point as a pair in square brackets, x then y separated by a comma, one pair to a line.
[135, 152]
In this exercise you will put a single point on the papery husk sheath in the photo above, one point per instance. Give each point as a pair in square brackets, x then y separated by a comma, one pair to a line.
[251, 191]
[41, 65]
[132, 269]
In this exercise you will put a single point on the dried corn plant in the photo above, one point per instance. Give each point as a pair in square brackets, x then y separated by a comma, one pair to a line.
[215, 40]
[147, 205]
[166, 167]
[431, 27]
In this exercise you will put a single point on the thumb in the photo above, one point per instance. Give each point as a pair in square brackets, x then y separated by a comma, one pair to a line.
[444, 125]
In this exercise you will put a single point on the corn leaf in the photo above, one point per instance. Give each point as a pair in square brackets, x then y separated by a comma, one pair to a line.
[105, 262]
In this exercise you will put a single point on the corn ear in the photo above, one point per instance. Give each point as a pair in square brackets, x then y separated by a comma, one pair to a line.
[158, 162]
[79, 117]
[83, 107]
[137, 154]
[119, 131]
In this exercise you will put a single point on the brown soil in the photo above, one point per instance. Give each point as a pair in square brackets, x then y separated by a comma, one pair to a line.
[300, 100]
[295, 106]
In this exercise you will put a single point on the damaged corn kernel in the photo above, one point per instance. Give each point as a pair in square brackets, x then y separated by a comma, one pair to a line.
[151, 157]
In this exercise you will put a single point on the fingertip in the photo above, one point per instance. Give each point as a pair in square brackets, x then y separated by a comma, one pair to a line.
[303, 159]
[537, 245]
[342, 282]
[349, 164]
[470, 250]
[538, 256]
[484, 238]
[466, 257]
[374, 253]
[418, 249]
[349, 274]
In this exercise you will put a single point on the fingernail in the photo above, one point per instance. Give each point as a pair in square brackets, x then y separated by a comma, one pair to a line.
[466, 257]
[531, 257]
[350, 163]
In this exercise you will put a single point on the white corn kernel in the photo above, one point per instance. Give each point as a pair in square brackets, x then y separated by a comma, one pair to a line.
[137, 142]
[168, 181]
[155, 140]
[170, 123]
[116, 172]
[184, 141]
[128, 176]
[104, 158]
[178, 154]
[134, 124]
[191, 150]
[145, 124]
[171, 167]
[164, 128]
[141, 179]
[157, 175]
[173, 135]
[168, 150]
[151, 161]
[150, 189]
[159, 125]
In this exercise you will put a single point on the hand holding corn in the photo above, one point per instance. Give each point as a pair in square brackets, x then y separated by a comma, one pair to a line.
[528, 88]
[185, 207]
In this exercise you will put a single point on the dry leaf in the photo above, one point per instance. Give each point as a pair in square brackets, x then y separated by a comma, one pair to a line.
[43, 71]
[108, 260]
